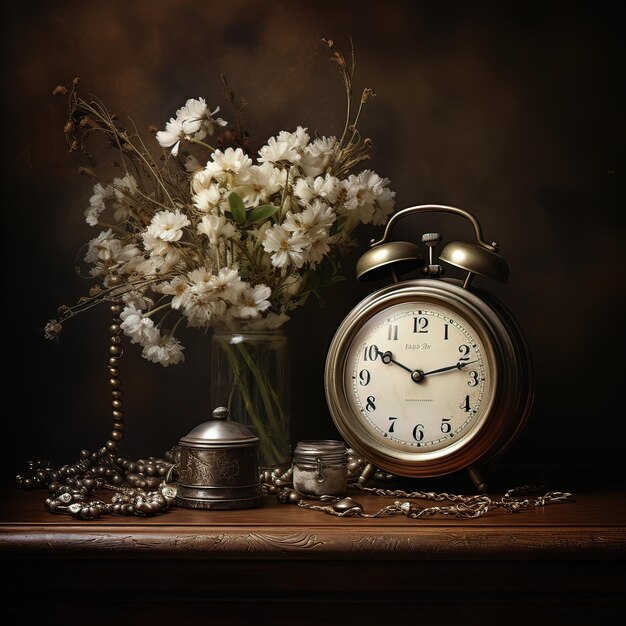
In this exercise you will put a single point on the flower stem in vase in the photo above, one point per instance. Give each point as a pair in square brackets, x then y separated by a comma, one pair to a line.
[241, 386]
[252, 381]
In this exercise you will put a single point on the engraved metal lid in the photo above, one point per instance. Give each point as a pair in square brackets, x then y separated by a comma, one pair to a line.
[219, 431]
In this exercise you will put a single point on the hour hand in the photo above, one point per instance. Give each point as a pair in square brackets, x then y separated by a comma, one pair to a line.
[387, 357]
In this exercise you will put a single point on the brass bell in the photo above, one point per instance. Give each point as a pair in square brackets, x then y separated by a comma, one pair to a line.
[389, 259]
[399, 257]
[476, 259]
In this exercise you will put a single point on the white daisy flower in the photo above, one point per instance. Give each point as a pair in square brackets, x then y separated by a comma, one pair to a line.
[154, 245]
[179, 288]
[139, 328]
[198, 119]
[208, 296]
[164, 350]
[279, 153]
[128, 252]
[104, 247]
[286, 248]
[173, 134]
[312, 223]
[375, 197]
[168, 225]
[260, 184]
[201, 275]
[372, 181]
[229, 167]
[97, 203]
[105, 252]
[125, 188]
[253, 301]
[318, 156]
[286, 148]
[165, 263]
[202, 179]
[119, 257]
[137, 299]
[384, 205]
[298, 139]
[227, 285]
[217, 227]
[190, 115]
[325, 187]
[207, 199]
[201, 312]
[358, 201]
[163, 257]
[318, 249]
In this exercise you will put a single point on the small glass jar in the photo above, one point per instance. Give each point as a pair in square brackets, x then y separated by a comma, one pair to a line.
[320, 468]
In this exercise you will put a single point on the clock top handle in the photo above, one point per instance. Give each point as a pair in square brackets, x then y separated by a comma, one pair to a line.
[437, 208]
[398, 257]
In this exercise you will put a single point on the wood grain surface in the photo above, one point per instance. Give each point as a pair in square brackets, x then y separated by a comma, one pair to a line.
[592, 526]
[280, 564]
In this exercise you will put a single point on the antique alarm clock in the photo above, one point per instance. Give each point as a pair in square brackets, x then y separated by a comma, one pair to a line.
[430, 376]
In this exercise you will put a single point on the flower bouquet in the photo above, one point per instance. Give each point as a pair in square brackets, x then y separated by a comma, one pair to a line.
[213, 234]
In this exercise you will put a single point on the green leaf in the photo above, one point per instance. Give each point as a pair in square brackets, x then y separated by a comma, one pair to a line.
[237, 208]
[261, 212]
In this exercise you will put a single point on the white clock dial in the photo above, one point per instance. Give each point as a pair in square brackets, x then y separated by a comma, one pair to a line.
[417, 377]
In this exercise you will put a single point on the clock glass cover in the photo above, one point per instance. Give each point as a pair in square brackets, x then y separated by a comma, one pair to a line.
[417, 376]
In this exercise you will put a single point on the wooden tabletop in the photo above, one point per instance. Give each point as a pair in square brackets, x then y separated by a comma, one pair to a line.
[283, 565]
[592, 526]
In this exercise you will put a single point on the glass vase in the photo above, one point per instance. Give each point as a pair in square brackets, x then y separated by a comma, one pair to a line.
[251, 377]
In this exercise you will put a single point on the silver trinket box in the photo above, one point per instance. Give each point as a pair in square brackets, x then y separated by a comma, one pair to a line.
[218, 467]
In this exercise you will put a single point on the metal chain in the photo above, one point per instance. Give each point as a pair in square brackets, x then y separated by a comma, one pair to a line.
[468, 507]
[463, 507]
[140, 486]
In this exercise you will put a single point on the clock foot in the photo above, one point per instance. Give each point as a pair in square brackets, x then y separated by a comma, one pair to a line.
[478, 480]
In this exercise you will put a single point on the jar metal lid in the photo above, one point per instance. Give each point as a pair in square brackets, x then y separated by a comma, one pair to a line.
[328, 451]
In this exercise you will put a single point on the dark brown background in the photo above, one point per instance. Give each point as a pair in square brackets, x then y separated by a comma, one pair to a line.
[512, 110]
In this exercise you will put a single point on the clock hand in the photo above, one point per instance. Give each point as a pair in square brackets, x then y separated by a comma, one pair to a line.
[417, 376]
[460, 365]
[387, 357]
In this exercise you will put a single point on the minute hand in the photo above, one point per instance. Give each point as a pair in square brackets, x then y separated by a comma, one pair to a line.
[457, 366]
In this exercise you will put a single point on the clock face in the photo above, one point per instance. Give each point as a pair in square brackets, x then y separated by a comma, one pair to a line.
[418, 379]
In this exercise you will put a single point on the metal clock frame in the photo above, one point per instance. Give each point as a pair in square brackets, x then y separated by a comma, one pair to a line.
[512, 382]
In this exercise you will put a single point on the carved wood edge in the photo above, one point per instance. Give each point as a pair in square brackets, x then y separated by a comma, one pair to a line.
[220, 543]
